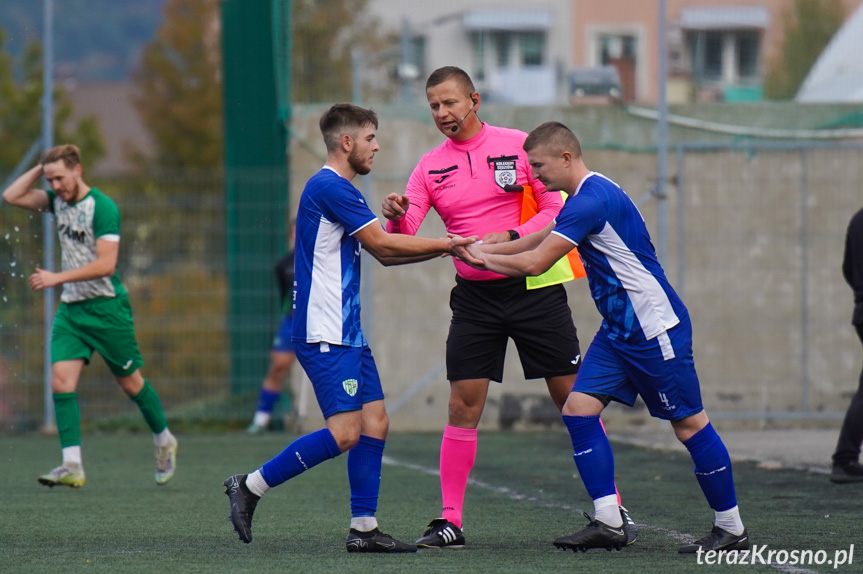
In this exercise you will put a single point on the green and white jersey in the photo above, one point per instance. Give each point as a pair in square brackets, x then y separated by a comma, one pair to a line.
[79, 225]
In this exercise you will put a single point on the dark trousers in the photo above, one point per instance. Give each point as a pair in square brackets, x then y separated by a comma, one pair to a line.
[851, 435]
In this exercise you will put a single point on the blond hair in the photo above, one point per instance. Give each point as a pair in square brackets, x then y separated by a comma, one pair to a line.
[69, 154]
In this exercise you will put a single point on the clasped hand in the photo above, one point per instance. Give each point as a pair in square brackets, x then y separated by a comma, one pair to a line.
[468, 250]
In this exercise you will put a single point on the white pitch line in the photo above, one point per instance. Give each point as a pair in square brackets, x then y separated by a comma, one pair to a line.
[515, 495]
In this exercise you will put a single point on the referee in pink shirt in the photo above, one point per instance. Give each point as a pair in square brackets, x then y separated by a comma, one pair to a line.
[475, 180]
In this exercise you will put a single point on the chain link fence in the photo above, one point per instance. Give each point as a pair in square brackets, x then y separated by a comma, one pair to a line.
[758, 245]
[755, 243]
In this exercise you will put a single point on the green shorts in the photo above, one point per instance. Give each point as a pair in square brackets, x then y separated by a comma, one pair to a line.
[103, 325]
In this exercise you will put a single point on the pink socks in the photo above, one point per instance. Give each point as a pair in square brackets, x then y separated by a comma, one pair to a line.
[457, 455]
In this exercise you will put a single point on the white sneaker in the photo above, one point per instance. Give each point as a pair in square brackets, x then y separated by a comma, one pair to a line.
[166, 461]
[65, 475]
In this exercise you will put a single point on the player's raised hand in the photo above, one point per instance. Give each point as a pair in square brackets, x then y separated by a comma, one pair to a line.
[395, 206]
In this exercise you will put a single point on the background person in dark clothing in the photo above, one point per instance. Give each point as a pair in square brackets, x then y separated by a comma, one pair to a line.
[846, 458]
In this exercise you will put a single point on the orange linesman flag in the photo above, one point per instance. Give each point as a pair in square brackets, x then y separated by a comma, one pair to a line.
[566, 268]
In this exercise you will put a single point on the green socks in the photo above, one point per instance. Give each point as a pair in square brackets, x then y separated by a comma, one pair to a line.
[148, 401]
[68, 419]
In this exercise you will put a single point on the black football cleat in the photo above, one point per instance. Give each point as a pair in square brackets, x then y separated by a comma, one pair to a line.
[629, 527]
[717, 539]
[375, 541]
[595, 535]
[441, 533]
[243, 503]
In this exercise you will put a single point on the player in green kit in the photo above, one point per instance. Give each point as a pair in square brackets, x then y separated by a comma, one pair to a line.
[94, 313]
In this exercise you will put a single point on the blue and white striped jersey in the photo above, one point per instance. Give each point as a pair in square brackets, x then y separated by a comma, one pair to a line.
[327, 261]
[626, 280]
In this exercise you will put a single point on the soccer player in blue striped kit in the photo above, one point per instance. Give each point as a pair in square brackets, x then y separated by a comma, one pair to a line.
[333, 223]
[643, 346]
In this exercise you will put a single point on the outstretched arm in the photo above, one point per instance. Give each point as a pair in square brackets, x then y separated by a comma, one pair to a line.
[397, 249]
[21, 193]
[526, 243]
[525, 264]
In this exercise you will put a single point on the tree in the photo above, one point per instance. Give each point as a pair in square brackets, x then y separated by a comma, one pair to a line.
[21, 112]
[179, 85]
[324, 34]
[179, 88]
[809, 26]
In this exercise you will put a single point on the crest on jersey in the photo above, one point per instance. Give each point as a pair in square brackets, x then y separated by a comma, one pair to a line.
[504, 169]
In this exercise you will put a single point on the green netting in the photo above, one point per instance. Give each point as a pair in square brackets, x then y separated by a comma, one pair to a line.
[256, 182]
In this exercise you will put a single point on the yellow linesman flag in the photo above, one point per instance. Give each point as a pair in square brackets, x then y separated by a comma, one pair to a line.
[566, 268]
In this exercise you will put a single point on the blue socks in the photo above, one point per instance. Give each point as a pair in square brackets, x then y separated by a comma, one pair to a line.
[592, 454]
[364, 475]
[595, 462]
[364, 466]
[712, 468]
[299, 456]
[267, 400]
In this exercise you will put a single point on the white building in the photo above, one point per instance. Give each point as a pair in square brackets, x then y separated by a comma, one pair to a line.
[516, 52]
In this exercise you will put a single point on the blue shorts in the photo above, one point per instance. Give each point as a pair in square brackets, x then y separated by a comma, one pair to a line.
[344, 378]
[661, 370]
[282, 342]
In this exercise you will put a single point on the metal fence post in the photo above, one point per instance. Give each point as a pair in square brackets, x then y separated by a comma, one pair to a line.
[804, 281]
[47, 218]
[681, 225]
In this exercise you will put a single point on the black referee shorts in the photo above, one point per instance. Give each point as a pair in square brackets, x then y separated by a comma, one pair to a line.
[486, 313]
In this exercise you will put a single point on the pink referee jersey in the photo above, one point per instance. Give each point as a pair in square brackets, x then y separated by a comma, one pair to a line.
[464, 182]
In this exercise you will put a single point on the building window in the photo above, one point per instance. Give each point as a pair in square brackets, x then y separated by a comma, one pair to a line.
[747, 55]
[532, 47]
[619, 50]
[724, 56]
[501, 49]
[614, 47]
[417, 54]
[478, 41]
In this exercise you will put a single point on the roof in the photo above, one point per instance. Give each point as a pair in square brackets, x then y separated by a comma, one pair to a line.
[837, 75]
[509, 20]
[724, 17]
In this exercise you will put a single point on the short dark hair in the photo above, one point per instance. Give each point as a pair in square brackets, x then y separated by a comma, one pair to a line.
[68, 153]
[556, 136]
[344, 119]
[441, 75]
